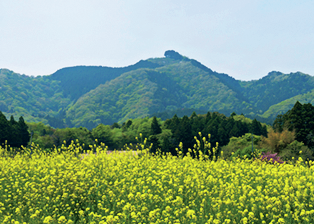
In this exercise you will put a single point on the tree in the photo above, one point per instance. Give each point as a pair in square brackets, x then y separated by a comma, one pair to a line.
[126, 125]
[299, 119]
[256, 127]
[184, 134]
[115, 125]
[234, 132]
[233, 114]
[208, 117]
[173, 123]
[14, 139]
[154, 140]
[155, 127]
[278, 141]
[103, 134]
[278, 123]
[5, 129]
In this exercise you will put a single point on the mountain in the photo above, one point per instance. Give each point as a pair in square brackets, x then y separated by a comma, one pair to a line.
[284, 106]
[276, 87]
[89, 95]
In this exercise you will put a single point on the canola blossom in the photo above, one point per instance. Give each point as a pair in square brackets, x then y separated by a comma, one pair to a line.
[62, 187]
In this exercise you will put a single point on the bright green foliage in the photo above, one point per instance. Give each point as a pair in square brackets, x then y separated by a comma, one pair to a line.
[103, 134]
[242, 146]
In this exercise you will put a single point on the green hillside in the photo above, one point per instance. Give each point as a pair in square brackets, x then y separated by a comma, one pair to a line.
[30, 97]
[90, 95]
[276, 87]
[286, 105]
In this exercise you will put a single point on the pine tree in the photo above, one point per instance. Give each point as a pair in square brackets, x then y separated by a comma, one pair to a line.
[234, 132]
[14, 139]
[256, 127]
[155, 127]
[5, 129]
[208, 117]
[154, 140]
[24, 134]
[193, 115]
[184, 134]
[298, 119]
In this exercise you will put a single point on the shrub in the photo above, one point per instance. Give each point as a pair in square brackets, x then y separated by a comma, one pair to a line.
[269, 157]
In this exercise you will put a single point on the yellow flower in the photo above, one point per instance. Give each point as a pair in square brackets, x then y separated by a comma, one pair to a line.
[62, 219]
[48, 219]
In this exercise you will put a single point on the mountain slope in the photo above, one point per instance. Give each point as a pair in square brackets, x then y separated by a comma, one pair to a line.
[142, 92]
[276, 87]
[286, 105]
[131, 95]
[89, 95]
[31, 97]
[78, 80]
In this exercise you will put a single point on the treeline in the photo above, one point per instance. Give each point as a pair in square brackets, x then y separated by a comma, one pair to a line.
[292, 136]
[291, 133]
[300, 120]
[165, 135]
[15, 133]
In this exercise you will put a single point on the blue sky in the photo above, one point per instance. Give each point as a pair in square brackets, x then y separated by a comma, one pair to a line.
[245, 39]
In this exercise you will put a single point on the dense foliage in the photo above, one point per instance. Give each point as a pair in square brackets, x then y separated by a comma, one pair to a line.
[276, 87]
[300, 120]
[165, 135]
[13, 133]
[89, 95]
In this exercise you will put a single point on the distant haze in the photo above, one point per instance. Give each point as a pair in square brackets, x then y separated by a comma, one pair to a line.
[245, 39]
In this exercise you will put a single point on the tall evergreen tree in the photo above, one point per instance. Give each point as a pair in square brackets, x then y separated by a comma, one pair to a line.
[154, 140]
[256, 127]
[197, 125]
[5, 129]
[208, 117]
[14, 139]
[155, 127]
[278, 124]
[24, 134]
[234, 132]
[184, 134]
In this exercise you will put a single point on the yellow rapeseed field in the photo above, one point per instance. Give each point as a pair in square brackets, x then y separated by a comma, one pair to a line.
[61, 187]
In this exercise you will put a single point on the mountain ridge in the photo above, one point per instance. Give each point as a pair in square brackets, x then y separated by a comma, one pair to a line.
[89, 95]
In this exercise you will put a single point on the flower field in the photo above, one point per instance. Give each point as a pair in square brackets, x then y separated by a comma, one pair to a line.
[140, 188]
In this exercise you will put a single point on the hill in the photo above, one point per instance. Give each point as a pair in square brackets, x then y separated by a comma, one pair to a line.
[90, 95]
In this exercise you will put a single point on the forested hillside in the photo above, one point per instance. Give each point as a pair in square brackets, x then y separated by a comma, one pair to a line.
[276, 87]
[90, 95]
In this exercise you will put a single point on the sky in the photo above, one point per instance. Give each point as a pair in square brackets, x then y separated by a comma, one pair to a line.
[245, 39]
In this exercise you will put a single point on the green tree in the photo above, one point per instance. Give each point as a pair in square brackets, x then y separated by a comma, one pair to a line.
[103, 134]
[14, 140]
[5, 129]
[24, 134]
[299, 119]
[115, 125]
[126, 125]
[154, 140]
[184, 134]
[155, 127]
